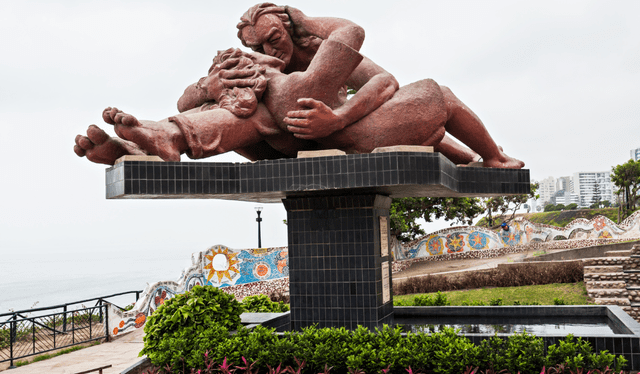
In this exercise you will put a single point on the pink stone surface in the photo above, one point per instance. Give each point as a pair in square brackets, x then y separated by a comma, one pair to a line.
[289, 95]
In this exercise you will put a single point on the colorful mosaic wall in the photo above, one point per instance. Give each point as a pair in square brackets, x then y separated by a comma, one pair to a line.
[221, 266]
[471, 238]
[218, 266]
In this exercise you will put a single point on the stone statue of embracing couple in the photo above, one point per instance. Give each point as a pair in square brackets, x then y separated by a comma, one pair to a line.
[290, 95]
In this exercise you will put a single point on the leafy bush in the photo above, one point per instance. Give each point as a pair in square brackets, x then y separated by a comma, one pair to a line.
[440, 299]
[577, 353]
[263, 304]
[384, 350]
[519, 353]
[5, 335]
[176, 333]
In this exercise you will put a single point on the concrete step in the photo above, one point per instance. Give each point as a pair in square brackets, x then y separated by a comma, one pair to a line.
[619, 253]
[620, 301]
[608, 293]
[598, 277]
[633, 294]
[605, 261]
[603, 269]
[631, 271]
[633, 288]
[632, 264]
[606, 284]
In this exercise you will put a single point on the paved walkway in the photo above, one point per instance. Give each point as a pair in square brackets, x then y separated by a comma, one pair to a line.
[121, 353]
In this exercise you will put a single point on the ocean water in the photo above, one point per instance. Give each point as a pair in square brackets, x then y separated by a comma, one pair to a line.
[44, 279]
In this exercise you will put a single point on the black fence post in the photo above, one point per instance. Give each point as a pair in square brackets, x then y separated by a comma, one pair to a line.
[106, 321]
[137, 295]
[64, 319]
[100, 302]
[33, 334]
[12, 339]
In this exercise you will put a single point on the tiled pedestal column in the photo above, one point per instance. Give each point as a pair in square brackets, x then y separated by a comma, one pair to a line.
[339, 261]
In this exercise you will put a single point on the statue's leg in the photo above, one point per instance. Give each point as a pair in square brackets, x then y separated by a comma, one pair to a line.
[161, 138]
[197, 133]
[456, 152]
[100, 148]
[463, 124]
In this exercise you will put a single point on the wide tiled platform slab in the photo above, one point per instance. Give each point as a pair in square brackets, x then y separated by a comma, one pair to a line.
[394, 174]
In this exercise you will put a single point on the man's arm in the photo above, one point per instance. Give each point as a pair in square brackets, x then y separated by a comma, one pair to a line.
[327, 28]
[374, 85]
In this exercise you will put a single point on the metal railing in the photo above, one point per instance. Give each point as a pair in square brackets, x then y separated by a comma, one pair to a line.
[23, 334]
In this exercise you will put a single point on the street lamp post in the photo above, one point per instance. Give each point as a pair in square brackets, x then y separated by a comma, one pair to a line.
[258, 210]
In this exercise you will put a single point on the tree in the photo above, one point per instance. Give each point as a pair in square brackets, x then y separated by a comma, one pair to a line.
[405, 212]
[506, 206]
[627, 178]
[549, 208]
[595, 200]
[572, 206]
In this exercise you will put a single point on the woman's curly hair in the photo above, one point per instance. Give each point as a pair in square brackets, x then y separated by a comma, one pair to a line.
[241, 101]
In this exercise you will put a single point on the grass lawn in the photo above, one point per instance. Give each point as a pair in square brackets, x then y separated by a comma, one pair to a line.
[571, 293]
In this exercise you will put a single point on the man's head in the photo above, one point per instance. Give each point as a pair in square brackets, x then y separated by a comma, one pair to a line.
[266, 28]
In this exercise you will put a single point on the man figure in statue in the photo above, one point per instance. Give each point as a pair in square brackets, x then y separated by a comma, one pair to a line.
[303, 108]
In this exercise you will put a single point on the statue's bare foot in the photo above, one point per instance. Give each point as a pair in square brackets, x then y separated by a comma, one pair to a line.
[100, 148]
[503, 161]
[162, 138]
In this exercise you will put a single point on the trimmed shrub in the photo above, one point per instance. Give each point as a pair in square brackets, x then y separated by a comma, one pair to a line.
[176, 331]
[512, 276]
[383, 351]
[263, 304]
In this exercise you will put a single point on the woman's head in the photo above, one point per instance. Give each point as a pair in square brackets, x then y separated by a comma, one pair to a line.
[241, 100]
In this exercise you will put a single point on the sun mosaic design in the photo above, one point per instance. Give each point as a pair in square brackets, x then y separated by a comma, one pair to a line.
[221, 264]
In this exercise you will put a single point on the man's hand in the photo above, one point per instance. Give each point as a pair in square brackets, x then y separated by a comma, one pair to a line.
[220, 77]
[318, 121]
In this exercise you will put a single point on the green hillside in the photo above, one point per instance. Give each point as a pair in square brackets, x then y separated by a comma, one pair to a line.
[561, 219]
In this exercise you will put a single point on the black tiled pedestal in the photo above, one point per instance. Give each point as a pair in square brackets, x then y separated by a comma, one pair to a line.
[337, 209]
[339, 261]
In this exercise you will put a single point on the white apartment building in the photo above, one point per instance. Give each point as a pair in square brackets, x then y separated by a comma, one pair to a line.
[564, 183]
[585, 185]
[547, 189]
[635, 154]
[564, 197]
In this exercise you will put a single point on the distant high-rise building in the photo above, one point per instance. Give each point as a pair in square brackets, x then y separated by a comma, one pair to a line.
[635, 154]
[564, 183]
[564, 197]
[592, 186]
[546, 189]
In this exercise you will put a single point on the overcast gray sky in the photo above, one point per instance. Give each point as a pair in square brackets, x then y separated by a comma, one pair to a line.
[555, 82]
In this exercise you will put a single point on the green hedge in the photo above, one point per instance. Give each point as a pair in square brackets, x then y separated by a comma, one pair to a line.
[386, 350]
